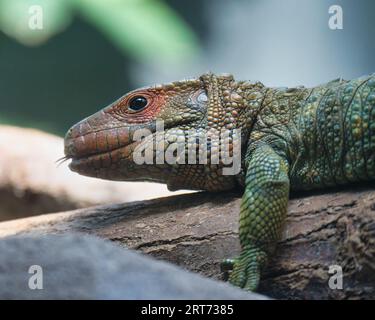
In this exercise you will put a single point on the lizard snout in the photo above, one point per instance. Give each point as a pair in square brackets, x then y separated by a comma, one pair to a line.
[77, 145]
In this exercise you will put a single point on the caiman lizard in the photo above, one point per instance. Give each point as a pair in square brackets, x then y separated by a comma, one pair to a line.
[290, 139]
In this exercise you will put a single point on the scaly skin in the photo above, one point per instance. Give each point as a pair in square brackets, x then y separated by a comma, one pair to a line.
[292, 139]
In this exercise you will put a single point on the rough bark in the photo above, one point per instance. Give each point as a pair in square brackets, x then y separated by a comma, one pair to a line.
[197, 231]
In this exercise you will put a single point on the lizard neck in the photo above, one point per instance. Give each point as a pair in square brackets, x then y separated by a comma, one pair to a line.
[233, 109]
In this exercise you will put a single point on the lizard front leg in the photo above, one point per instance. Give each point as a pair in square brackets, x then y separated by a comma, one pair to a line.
[263, 210]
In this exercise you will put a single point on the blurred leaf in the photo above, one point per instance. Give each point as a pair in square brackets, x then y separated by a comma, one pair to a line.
[147, 29]
[21, 19]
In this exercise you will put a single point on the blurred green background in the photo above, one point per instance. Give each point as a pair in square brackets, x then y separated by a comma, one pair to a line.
[81, 58]
[90, 52]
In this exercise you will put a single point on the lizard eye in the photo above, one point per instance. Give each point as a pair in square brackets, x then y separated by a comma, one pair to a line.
[137, 103]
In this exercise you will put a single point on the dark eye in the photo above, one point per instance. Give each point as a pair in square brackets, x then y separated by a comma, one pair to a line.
[137, 103]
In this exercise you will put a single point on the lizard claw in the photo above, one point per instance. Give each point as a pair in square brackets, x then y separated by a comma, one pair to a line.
[226, 266]
[246, 269]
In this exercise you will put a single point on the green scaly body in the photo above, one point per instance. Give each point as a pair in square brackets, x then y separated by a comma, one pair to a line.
[292, 139]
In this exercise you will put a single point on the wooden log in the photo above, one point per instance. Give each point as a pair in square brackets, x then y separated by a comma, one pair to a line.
[197, 231]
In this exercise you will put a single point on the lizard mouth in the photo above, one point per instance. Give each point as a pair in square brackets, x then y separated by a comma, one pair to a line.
[102, 164]
[97, 151]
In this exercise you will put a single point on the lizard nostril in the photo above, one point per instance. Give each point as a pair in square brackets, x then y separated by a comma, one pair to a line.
[69, 133]
[69, 142]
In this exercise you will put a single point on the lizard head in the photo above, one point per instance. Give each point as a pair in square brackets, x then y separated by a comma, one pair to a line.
[132, 138]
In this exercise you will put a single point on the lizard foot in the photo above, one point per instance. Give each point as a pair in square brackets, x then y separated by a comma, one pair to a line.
[246, 268]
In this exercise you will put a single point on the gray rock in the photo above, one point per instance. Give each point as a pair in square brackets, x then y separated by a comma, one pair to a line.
[77, 266]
